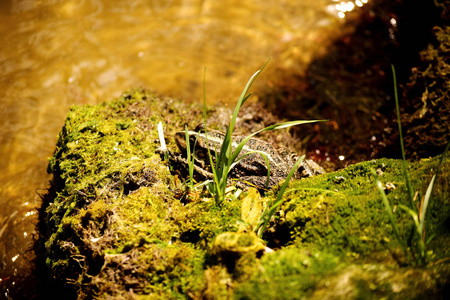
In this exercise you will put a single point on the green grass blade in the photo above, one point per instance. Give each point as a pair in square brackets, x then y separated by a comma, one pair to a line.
[226, 151]
[268, 212]
[413, 215]
[429, 239]
[244, 96]
[430, 190]
[389, 211]
[443, 156]
[224, 160]
[426, 200]
[405, 170]
[272, 127]
[420, 243]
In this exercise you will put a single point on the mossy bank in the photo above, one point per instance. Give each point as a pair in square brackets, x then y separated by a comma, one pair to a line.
[112, 226]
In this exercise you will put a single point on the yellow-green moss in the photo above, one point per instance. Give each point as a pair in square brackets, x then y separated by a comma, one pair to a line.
[287, 274]
[237, 243]
[112, 197]
[112, 227]
[343, 212]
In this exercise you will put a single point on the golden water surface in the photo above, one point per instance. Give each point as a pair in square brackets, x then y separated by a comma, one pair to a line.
[55, 54]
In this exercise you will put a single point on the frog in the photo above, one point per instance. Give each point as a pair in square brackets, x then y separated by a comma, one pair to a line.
[249, 171]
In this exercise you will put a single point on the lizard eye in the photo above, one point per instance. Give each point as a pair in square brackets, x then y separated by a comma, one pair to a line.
[200, 128]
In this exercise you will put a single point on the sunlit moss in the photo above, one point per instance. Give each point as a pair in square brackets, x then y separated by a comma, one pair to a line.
[111, 225]
[342, 210]
[287, 274]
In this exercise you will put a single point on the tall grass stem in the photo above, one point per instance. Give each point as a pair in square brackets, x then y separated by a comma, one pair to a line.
[405, 169]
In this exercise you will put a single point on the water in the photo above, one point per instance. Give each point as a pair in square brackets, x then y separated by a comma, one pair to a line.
[55, 54]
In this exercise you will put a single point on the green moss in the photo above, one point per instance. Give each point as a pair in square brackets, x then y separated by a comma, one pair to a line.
[236, 242]
[153, 271]
[145, 215]
[343, 212]
[289, 273]
[113, 198]
[112, 227]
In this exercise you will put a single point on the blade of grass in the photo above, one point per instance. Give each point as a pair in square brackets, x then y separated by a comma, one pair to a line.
[420, 242]
[430, 190]
[272, 127]
[244, 95]
[225, 156]
[388, 209]
[223, 161]
[405, 170]
[268, 212]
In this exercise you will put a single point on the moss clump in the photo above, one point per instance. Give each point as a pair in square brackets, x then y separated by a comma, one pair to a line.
[153, 271]
[289, 273]
[111, 226]
[111, 204]
[235, 242]
[342, 211]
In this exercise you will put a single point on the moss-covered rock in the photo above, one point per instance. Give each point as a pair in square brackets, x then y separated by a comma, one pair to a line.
[112, 226]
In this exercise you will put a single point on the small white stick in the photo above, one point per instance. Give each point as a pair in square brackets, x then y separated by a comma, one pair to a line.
[161, 137]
